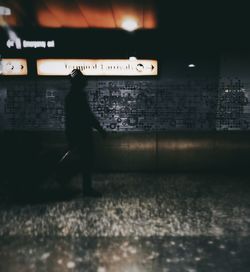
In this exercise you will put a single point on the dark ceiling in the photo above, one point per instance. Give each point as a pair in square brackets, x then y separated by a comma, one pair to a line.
[162, 24]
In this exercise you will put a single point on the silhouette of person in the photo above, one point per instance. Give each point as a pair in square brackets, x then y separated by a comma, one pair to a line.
[79, 124]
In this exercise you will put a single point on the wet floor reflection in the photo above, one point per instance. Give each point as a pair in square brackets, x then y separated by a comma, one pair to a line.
[143, 223]
[125, 254]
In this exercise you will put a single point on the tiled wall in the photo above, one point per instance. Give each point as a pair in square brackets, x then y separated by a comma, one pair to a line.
[120, 105]
[233, 111]
[166, 103]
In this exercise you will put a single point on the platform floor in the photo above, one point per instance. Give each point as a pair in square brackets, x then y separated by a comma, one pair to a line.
[143, 222]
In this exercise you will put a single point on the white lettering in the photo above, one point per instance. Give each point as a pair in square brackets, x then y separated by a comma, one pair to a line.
[103, 67]
[34, 44]
[51, 43]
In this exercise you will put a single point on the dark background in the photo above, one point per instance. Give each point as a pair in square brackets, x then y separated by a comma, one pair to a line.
[175, 110]
[179, 98]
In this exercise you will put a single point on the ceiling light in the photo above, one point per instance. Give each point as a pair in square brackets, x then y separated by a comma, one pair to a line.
[5, 11]
[129, 24]
[191, 65]
[132, 58]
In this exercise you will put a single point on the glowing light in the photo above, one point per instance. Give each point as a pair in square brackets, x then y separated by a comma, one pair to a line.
[5, 11]
[13, 67]
[191, 65]
[129, 24]
[132, 58]
[103, 67]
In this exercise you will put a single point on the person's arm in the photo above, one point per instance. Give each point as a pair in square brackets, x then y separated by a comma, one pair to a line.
[97, 126]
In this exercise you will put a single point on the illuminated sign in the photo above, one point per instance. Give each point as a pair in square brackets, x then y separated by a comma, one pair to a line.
[97, 67]
[13, 67]
[18, 43]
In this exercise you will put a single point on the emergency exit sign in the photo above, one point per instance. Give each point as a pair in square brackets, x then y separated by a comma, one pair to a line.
[97, 67]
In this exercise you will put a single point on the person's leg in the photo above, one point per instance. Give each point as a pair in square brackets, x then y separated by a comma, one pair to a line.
[87, 170]
[86, 180]
[87, 185]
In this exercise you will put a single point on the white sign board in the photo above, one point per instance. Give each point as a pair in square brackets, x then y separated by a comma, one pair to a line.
[97, 67]
[13, 67]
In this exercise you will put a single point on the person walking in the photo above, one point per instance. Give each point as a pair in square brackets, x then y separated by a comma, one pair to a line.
[79, 124]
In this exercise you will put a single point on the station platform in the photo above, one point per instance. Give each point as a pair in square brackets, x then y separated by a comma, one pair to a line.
[144, 222]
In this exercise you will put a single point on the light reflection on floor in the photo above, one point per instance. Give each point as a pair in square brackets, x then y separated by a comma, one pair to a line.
[125, 254]
[142, 223]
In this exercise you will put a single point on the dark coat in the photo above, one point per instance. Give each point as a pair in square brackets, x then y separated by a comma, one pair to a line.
[79, 120]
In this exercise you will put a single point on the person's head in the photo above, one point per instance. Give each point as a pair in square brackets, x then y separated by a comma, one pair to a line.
[77, 79]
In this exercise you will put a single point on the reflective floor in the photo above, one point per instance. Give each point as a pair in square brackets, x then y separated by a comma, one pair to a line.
[143, 222]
